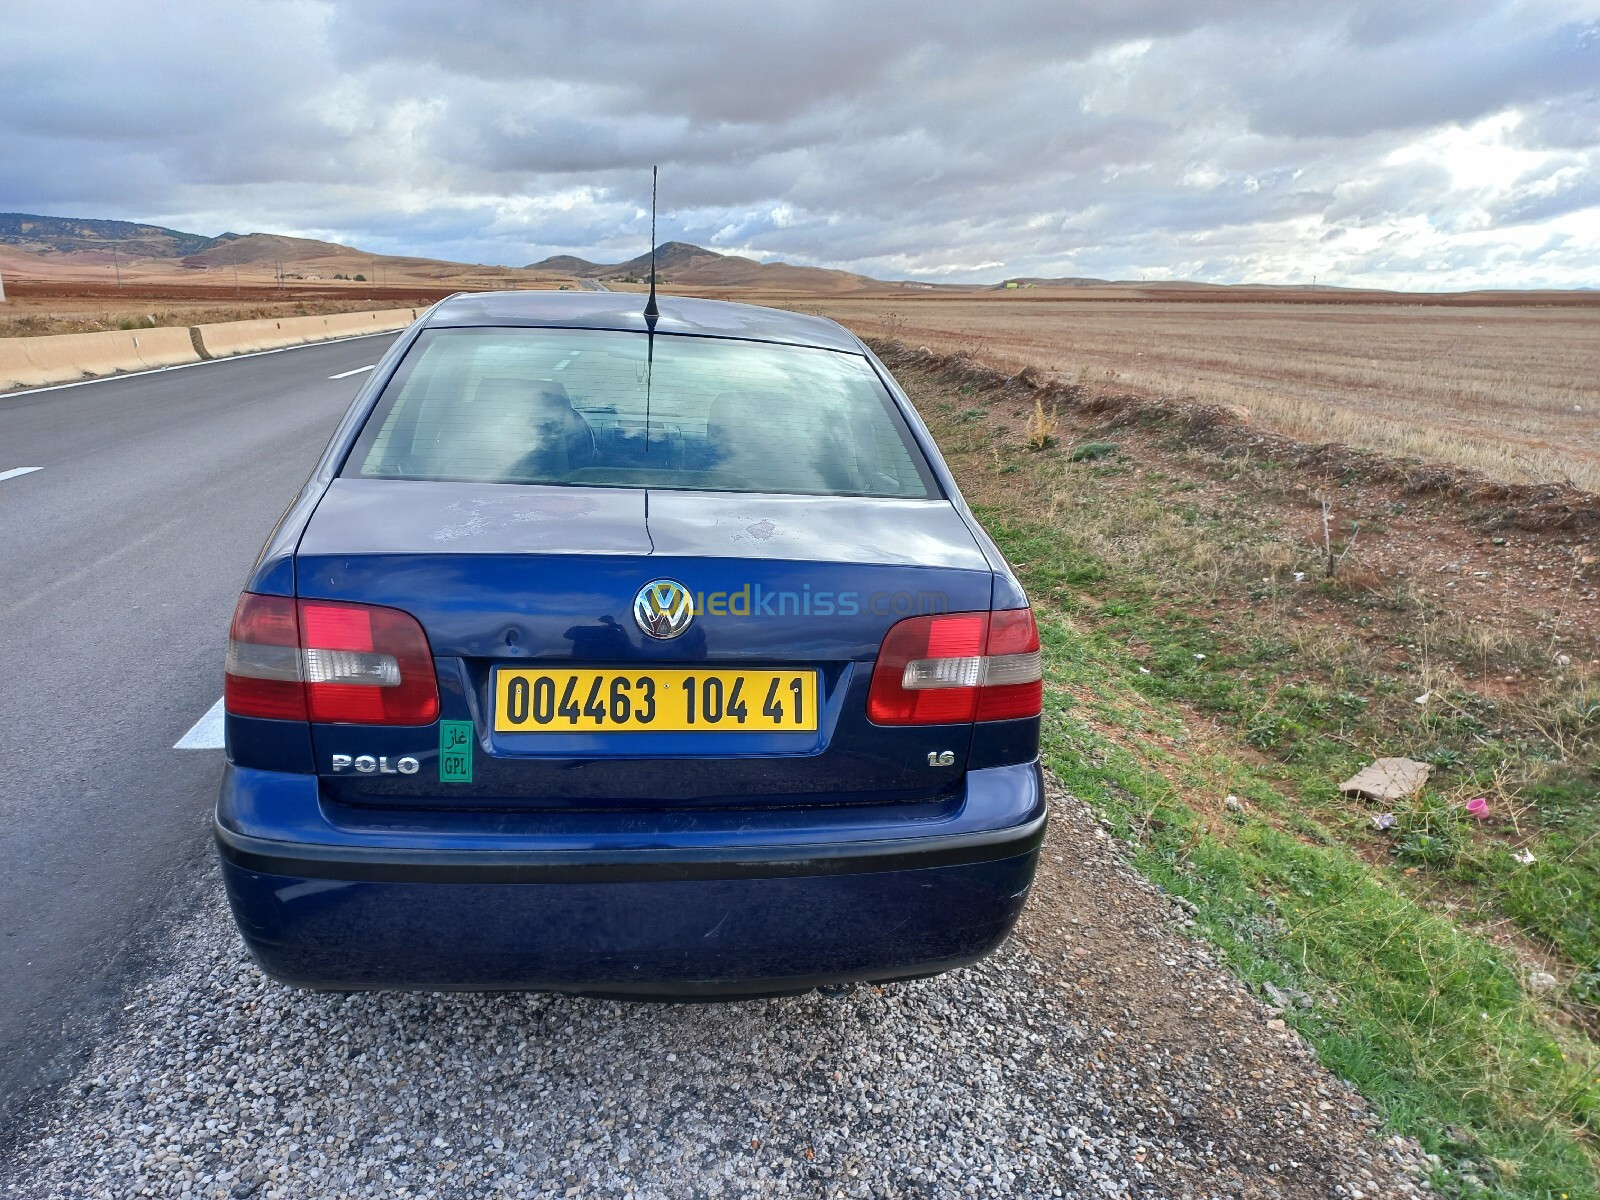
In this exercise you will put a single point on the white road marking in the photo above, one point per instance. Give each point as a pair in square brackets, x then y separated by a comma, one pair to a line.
[357, 371]
[15, 471]
[209, 362]
[204, 734]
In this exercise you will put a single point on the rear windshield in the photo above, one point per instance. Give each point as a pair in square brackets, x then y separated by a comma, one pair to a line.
[604, 408]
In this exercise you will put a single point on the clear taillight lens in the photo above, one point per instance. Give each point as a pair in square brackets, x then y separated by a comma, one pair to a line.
[952, 668]
[330, 662]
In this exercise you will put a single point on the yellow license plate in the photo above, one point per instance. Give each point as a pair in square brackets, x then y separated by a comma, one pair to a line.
[527, 700]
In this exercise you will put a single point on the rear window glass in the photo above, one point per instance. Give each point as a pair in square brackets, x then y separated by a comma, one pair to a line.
[603, 408]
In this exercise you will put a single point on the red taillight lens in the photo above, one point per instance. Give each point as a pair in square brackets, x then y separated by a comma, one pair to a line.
[927, 671]
[330, 662]
[366, 665]
[263, 673]
[952, 668]
[1013, 675]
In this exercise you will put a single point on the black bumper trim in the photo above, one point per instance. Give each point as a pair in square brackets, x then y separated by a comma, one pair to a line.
[383, 864]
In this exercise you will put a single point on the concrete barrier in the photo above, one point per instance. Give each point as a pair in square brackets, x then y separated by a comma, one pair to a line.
[66, 357]
[244, 337]
[273, 333]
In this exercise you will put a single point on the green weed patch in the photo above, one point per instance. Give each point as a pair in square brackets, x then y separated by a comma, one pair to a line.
[1194, 704]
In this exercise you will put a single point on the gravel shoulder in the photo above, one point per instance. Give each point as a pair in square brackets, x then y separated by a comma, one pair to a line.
[1100, 1054]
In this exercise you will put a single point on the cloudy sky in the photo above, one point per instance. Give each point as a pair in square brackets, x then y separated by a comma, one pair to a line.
[1406, 143]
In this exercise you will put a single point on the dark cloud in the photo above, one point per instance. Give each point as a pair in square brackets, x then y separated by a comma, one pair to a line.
[1387, 141]
[1456, 71]
[1540, 196]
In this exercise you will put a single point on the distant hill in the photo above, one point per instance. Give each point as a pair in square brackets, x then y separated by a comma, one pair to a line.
[233, 249]
[1165, 285]
[70, 247]
[683, 264]
[76, 235]
[1064, 281]
[566, 264]
[82, 247]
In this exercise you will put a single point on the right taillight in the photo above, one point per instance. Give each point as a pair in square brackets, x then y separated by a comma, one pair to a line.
[1013, 674]
[328, 661]
[952, 668]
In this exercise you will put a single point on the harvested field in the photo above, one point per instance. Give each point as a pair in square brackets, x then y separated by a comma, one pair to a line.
[1512, 392]
[1505, 384]
[36, 309]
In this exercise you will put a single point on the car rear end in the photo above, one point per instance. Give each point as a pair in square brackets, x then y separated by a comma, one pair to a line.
[631, 661]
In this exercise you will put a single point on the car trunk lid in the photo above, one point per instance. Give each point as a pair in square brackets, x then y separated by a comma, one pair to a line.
[545, 577]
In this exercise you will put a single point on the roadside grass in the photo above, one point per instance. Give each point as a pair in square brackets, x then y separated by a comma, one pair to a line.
[1431, 1023]
[1207, 704]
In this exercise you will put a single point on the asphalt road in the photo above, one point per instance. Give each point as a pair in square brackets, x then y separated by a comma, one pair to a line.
[121, 558]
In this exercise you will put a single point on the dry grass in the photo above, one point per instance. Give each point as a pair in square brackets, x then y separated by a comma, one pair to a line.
[93, 315]
[1040, 431]
[1513, 392]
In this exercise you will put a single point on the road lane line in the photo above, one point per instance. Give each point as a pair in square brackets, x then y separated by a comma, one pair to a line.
[204, 734]
[357, 371]
[209, 362]
[15, 471]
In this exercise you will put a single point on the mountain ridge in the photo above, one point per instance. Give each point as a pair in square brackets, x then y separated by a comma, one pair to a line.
[37, 233]
[99, 242]
[93, 244]
[89, 236]
[686, 263]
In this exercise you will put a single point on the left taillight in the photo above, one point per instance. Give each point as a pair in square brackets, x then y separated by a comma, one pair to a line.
[329, 662]
[263, 676]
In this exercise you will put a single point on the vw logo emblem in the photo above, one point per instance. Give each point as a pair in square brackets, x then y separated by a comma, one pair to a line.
[663, 608]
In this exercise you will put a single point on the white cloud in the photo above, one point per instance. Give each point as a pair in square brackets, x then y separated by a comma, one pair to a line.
[1432, 143]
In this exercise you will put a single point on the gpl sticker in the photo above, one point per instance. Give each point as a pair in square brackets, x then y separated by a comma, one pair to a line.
[455, 751]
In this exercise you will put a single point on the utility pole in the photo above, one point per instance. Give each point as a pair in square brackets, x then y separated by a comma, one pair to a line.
[116, 263]
[2, 289]
[236, 292]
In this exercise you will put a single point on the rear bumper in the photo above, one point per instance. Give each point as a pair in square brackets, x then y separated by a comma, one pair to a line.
[701, 911]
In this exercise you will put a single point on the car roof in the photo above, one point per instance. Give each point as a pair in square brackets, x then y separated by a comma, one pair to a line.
[624, 311]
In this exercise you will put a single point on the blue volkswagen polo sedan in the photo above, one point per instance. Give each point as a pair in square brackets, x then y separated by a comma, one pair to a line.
[627, 656]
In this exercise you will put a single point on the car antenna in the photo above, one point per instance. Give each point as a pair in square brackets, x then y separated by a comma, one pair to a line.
[651, 312]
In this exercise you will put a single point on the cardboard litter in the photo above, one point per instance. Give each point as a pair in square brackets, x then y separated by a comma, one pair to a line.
[1388, 779]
